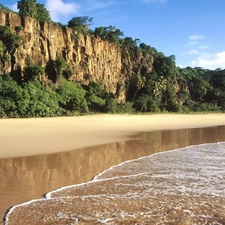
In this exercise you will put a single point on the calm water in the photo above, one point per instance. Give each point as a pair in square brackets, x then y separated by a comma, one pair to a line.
[23, 179]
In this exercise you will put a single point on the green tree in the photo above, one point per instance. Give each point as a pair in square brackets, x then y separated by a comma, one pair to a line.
[164, 66]
[129, 42]
[33, 71]
[10, 94]
[147, 103]
[111, 105]
[27, 8]
[126, 107]
[60, 65]
[197, 82]
[217, 94]
[72, 97]
[95, 96]
[140, 82]
[146, 49]
[57, 69]
[80, 23]
[109, 33]
[51, 71]
[41, 101]
[33, 9]
[10, 40]
[42, 13]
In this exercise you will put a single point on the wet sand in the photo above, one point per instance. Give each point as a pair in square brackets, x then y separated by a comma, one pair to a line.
[119, 126]
[26, 137]
[183, 186]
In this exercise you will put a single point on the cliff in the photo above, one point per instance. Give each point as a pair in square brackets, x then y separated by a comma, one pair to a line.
[89, 57]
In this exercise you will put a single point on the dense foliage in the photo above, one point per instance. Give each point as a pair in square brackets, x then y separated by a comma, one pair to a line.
[185, 90]
[34, 98]
[80, 23]
[47, 91]
[110, 33]
[33, 9]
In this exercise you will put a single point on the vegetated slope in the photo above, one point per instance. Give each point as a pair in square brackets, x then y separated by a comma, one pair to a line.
[49, 69]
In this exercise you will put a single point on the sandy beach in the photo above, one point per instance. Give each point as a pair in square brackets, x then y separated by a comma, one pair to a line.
[26, 137]
[37, 154]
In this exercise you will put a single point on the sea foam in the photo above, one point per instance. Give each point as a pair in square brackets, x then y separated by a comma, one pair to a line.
[181, 186]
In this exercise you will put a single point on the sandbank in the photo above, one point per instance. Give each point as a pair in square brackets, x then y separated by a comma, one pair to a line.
[35, 136]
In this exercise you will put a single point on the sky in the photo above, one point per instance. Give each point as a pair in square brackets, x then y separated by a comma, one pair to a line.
[192, 30]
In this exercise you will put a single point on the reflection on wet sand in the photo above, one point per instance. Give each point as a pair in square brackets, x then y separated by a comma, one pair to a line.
[27, 178]
[180, 187]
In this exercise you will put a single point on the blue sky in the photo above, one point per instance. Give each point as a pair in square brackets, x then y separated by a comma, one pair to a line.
[192, 30]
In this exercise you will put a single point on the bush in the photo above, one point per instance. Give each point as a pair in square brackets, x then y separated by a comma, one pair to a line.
[72, 97]
[32, 71]
[205, 107]
[111, 105]
[18, 28]
[125, 108]
[41, 102]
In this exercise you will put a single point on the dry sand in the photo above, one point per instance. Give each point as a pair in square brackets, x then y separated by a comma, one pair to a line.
[24, 137]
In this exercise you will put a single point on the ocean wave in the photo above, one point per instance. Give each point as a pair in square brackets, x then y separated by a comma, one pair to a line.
[181, 186]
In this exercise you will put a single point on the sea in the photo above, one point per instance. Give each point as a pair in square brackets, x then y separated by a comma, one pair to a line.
[178, 178]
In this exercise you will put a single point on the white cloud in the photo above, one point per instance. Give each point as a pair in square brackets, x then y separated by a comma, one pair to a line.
[196, 51]
[60, 10]
[203, 47]
[193, 52]
[210, 61]
[93, 5]
[14, 7]
[191, 43]
[196, 37]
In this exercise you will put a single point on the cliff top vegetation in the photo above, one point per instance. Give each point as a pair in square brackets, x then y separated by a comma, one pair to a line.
[149, 80]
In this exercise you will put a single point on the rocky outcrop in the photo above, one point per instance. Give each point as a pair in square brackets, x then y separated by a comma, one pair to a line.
[89, 57]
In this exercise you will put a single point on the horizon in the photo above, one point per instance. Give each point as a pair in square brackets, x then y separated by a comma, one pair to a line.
[190, 30]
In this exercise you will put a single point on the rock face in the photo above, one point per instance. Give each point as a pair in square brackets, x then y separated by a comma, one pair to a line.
[90, 58]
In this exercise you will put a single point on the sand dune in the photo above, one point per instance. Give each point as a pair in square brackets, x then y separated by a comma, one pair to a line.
[24, 137]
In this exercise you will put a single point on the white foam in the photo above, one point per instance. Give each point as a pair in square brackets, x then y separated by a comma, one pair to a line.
[193, 170]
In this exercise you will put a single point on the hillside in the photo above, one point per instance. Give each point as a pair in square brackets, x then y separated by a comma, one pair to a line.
[82, 72]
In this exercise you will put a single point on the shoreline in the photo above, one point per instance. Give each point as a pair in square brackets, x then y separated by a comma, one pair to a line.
[36, 136]
[73, 199]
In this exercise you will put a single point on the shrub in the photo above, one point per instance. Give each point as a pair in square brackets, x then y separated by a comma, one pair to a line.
[125, 108]
[72, 97]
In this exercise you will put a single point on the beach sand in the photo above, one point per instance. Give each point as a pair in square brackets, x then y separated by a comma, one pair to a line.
[26, 137]
[35, 136]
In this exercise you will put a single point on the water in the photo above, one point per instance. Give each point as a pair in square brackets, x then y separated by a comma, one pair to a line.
[183, 186]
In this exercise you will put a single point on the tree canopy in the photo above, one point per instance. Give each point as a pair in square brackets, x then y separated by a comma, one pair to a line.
[33, 9]
[80, 23]
[27, 8]
[109, 33]
[42, 13]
